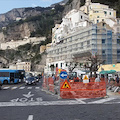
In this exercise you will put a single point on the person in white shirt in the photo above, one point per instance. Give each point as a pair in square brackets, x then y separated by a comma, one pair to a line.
[97, 79]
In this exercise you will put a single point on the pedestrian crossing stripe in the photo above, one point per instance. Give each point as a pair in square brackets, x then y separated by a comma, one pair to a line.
[66, 85]
[13, 88]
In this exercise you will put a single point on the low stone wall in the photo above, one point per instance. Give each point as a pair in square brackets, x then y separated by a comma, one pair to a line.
[15, 44]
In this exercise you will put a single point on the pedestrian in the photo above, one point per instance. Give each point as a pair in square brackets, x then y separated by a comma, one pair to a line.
[97, 79]
[76, 79]
[68, 78]
[53, 76]
[117, 80]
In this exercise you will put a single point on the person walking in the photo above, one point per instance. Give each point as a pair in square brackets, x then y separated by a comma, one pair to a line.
[117, 80]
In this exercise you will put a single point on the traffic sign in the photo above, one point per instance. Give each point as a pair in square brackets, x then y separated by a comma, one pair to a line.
[85, 79]
[65, 85]
[63, 75]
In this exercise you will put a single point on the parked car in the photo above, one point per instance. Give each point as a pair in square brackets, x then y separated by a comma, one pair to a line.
[30, 80]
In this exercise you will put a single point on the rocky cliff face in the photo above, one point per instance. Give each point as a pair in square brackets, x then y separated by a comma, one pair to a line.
[74, 4]
[22, 13]
[13, 29]
[18, 32]
[60, 3]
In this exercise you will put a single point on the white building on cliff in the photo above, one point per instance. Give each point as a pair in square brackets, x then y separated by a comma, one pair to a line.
[83, 33]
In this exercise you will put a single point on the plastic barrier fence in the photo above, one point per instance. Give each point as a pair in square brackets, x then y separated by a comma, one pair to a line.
[51, 84]
[44, 85]
[73, 89]
[48, 84]
[82, 90]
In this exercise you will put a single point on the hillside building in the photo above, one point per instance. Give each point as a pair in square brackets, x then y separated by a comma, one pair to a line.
[83, 33]
[74, 20]
[21, 66]
[98, 12]
[42, 48]
[83, 43]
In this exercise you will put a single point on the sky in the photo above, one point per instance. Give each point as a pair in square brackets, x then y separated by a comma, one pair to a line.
[7, 5]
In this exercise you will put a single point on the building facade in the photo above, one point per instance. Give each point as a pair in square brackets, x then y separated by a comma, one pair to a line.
[83, 33]
[98, 12]
[21, 66]
[70, 23]
[81, 44]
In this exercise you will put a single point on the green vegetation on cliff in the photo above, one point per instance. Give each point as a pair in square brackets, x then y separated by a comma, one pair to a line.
[43, 23]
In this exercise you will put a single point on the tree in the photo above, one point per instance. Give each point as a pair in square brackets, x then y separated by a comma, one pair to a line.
[52, 67]
[93, 64]
[72, 65]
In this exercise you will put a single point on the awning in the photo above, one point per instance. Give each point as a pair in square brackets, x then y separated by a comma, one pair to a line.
[107, 71]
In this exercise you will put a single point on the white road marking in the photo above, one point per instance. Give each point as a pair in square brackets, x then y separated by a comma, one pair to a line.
[101, 101]
[29, 88]
[13, 88]
[39, 99]
[28, 95]
[5, 88]
[49, 103]
[21, 88]
[14, 100]
[80, 100]
[37, 87]
[30, 117]
[116, 89]
[42, 103]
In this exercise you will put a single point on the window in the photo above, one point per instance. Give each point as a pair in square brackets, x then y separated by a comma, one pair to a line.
[105, 12]
[81, 17]
[4, 74]
[56, 65]
[103, 41]
[97, 21]
[117, 21]
[103, 24]
[66, 64]
[97, 16]
[110, 13]
[103, 51]
[102, 19]
[118, 41]
[82, 44]
[117, 29]
[96, 11]
[61, 65]
[16, 75]
[88, 42]
[118, 51]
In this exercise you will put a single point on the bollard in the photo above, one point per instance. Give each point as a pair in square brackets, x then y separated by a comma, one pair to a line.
[59, 89]
[47, 84]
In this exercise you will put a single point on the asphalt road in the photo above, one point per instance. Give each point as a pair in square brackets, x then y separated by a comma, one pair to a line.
[20, 102]
[71, 112]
